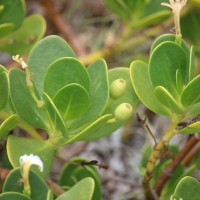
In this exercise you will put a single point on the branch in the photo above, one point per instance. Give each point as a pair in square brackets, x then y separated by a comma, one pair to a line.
[171, 167]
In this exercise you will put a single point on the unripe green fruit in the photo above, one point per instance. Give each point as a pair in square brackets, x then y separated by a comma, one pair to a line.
[117, 88]
[123, 111]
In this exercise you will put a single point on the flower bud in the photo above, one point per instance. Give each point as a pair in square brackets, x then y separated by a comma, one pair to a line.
[117, 88]
[123, 111]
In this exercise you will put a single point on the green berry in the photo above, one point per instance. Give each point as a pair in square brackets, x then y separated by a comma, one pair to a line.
[117, 88]
[123, 111]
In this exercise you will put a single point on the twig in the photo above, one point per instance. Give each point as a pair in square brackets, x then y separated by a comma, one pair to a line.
[145, 127]
[57, 190]
[153, 158]
[64, 28]
[170, 168]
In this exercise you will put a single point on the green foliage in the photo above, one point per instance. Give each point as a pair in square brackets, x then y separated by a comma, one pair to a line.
[188, 188]
[71, 174]
[83, 190]
[37, 184]
[17, 147]
[138, 13]
[16, 33]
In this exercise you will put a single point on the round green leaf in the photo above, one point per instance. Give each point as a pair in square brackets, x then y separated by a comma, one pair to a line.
[165, 60]
[13, 196]
[71, 174]
[4, 90]
[65, 71]
[98, 94]
[22, 40]
[39, 189]
[188, 189]
[43, 54]
[24, 104]
[72, 101]
[13, 12]
[83, 190]
[190, 94]
[6, 29]
[17, 147]
[144, 89]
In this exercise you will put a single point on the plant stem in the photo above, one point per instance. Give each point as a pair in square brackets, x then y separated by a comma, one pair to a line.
[155, 155]
[171, 167]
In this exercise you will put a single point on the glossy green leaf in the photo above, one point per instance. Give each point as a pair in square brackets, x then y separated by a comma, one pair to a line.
[22, 40]
[39, 188]
[165, 60]
[17, 147]
[65, 71]
[90, 132]
[193, 109]
[98, 94]
[58, 132]
[83, 190]
[13, 196]
[2, 69]
[71, 174]
[4, 90]
[43, 54]
[192, 128]
[179, 82]
[187, 189]
[24, 104]
[190, 94]
[13, 12]
[7, 125]
[72, 101]
[165, 98]
[172, 38]
[144, 89]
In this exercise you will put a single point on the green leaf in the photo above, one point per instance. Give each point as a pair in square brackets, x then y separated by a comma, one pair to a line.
[190, 94]
[39, 188]
[192, 64]
[165, 60]
[72, 101]
[90, 132]
[4, 90]
[13, 196]
[144, 89]
[22, 40]
[83, 190]
[7, 125]
[192, 128]
[17, 147]
[65, 71]
[43, 54]
[188, 188]
[98, 94]
[172, 38]
[24, 104]
[13, 12]
[58, 132]
[6, 28]
[165, 98]
[71, 174]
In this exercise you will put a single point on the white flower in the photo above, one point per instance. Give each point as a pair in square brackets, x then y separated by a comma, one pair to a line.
[176, 6]
[20, 61]
[25, 162]
[31, 160]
